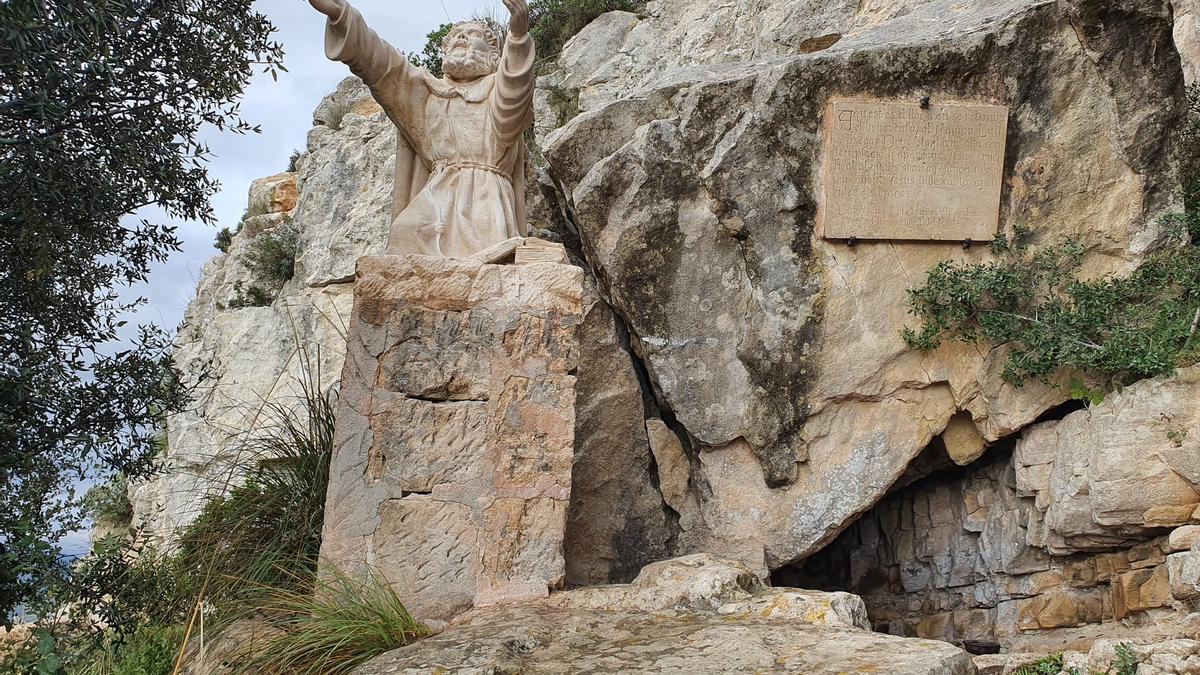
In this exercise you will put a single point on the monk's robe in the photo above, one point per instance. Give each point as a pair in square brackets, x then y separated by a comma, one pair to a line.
[460, 151]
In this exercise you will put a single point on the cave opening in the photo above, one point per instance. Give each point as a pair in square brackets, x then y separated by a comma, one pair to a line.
[920, 555]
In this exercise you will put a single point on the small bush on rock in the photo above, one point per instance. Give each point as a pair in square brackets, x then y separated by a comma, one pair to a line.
[272, 255]
[249, 296]
[554, 22]
[260, 536]
[1126, 664]
[1126, 328]
[267, 531]
[152, 650]
[224, 240]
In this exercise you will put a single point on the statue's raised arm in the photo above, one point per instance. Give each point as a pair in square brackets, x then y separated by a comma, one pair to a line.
[381, 66]
[514, 77]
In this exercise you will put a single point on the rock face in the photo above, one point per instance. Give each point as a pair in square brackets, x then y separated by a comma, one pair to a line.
[740, 384]
[777, 354]
[451, 471]
[240, 358]
[694, 614]
[1030, 546]
[1118, 471]
[1187, 37]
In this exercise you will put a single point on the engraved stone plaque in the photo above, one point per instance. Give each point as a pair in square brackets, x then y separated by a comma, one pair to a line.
[899, 171]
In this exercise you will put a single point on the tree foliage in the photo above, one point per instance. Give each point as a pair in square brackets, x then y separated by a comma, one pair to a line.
[553, 22]
[101, 103]
[430, 57]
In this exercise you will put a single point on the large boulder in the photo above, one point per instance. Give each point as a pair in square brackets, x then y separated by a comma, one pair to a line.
[697, 614]
[692, 175]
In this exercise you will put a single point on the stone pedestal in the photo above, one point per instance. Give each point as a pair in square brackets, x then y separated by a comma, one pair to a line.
[451, 472]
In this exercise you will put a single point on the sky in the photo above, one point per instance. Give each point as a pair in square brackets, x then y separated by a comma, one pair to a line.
[284, 110]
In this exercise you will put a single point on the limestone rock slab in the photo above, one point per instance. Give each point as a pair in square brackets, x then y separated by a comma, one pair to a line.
[451, 472]
[697, 614]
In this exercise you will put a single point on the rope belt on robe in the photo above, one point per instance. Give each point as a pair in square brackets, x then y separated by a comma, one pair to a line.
[442, 165]
[439, 226]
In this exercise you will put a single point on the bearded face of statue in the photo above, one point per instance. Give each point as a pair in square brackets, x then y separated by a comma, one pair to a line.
[469, 52]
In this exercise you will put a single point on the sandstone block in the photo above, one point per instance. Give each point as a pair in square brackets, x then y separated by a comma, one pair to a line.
[1183, 572]
[1059, 609]
[1141, 589]
[273, 194]
[453, 450]
[963, 441]
[1182, 538]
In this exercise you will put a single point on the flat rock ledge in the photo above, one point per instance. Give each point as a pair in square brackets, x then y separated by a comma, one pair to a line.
[696, 614]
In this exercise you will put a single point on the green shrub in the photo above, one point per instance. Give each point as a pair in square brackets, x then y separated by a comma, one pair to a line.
[262, 534]
[554, 22]
[272, 255]
[1126, 664]
[332, 627]
[1125, 328]
[267, 531]
[108, 503]
[551, 24]
[1050, 665]
[294, 161]
[1127, 661]
[151, 650]
[35, 653]
[224, 240]
[249, 296]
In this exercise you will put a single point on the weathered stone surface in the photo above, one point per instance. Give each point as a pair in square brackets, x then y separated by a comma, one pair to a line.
[238, 360]
[242, 359]
[453, 451]
[617, 522]
[964, 444]
[1174, 657]
[1112, 472]
[691, 615]
[273, 194]
[778, 353]
[1187, 37]
[1182, 538]
[346, 184]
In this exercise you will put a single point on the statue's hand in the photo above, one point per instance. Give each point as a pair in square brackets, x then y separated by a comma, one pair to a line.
[330, 8]
[518, 22]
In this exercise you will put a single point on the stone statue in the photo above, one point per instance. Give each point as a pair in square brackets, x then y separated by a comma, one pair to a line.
[460, 161]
